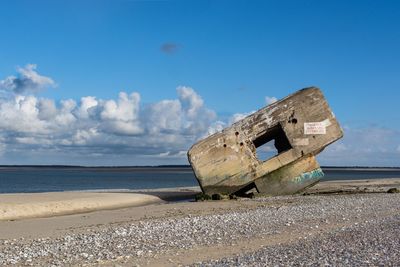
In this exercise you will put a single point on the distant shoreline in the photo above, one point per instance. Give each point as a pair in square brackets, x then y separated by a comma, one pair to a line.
[33, 179]
[347, 168]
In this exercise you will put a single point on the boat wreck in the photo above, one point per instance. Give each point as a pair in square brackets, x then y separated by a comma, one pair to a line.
[300, 126]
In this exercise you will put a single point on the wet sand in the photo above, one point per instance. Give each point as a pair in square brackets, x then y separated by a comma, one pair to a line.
[146, 228]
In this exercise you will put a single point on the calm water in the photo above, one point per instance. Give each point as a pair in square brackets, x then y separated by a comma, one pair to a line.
[39, 179]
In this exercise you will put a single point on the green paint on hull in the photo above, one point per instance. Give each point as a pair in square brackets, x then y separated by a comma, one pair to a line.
[306, 177]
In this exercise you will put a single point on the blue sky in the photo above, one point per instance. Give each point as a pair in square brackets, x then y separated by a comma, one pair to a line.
[187, 68]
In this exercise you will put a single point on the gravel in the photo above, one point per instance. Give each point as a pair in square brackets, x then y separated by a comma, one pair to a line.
[370, 235]
[373, 243]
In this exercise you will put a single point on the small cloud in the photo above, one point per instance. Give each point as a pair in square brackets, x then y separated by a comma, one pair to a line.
[169, 154]
[27, 80]
[239, 116]
[372, 146]
[169, 48]
[243, 88]
[270, 100]
[164, 154]
[215, 127]
[182, 153]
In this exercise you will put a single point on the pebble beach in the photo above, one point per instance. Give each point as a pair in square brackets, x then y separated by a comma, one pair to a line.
[358, 229]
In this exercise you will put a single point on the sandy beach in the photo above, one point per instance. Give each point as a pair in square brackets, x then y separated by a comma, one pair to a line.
[334, 223]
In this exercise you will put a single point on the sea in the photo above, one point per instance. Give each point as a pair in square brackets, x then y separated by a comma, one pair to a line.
[30, 179]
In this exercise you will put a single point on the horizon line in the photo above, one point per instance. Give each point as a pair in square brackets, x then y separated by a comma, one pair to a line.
[164, 166]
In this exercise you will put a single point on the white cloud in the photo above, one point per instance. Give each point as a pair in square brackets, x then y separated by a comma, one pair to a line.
[239, 116]
[195, 117]
[124, 131]
[125, 110]
[218, 125]
[215, 127]
[270, 100]
[92, 126]
[3, 145]
[64, 117]
[27, 80]
[47, 109]
[372, 146]
[191, 102]
[121, 117]
[21, 115]
[87, 103]
[82, 137]
[164, 116]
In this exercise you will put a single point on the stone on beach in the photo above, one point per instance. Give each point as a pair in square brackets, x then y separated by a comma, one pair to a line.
[353, 229]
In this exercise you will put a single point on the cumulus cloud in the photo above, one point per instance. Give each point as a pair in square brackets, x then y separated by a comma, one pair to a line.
[190, 100]
[121, 117]
[88, 104]
[27, 80]
[94, 127]
[270, 100]
[164, 117]
[123, 130]
[21, 115]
